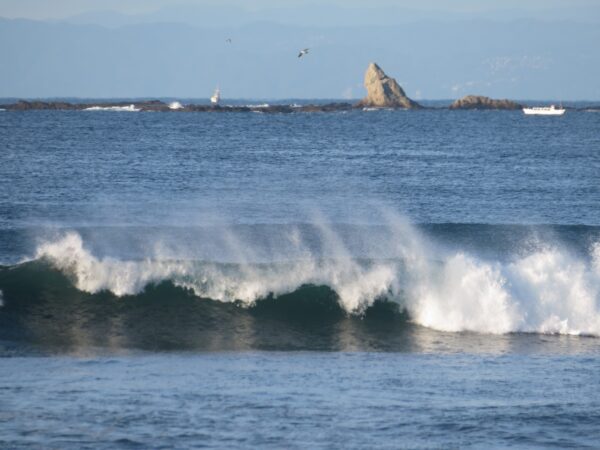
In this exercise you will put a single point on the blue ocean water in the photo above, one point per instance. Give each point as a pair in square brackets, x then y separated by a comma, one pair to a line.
[366, 279]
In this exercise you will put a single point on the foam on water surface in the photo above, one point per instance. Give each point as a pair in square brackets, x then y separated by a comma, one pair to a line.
[128, 108]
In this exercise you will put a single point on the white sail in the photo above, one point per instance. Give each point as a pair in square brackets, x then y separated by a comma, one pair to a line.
[216, 97]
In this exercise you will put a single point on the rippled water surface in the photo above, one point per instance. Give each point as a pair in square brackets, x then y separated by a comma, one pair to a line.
[385, 279]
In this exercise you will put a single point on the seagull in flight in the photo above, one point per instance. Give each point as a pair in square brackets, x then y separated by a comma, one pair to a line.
[228, 40]
[303, 52]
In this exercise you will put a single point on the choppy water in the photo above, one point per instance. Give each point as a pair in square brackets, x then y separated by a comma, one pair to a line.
[363, 279]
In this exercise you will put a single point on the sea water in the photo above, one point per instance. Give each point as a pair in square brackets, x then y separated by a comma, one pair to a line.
[364, 279]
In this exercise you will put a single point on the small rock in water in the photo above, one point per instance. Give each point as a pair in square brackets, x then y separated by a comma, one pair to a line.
[481, 102]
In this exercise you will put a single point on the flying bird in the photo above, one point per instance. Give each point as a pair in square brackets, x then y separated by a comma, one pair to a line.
[303, 52]
[228, 40]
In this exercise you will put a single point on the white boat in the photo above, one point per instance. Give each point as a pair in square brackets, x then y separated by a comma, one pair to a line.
[545, 111]
[216, 97]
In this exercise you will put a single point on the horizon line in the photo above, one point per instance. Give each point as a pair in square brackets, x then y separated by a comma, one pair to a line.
[278, 99]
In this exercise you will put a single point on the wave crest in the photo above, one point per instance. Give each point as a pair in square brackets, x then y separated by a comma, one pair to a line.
[546, 291]
[356, 285]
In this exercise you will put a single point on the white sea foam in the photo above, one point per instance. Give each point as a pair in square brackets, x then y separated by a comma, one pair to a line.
[175, 105]
[356, 285]
[370, 109]
[128, 108]
[547, 291]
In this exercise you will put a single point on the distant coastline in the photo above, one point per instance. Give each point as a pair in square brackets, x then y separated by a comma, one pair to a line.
[383, 93]
[275, 106]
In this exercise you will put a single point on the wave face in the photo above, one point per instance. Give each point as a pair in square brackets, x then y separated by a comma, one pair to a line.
[307, 276]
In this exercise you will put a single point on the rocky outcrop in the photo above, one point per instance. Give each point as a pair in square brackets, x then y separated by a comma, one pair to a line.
[383, 91]
[158, 106]
[481, 102]
[23, 105]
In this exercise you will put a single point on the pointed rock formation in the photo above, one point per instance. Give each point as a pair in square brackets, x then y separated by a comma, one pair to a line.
[481, 102]
[383, 91]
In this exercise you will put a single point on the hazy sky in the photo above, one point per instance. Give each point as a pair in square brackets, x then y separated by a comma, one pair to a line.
[56, 9]
[519, 49]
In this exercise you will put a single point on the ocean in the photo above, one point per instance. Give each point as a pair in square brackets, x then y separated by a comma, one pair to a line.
[356, 279]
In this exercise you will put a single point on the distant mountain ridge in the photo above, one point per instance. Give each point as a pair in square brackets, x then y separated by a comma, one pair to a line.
[321, 14]
[517, 59]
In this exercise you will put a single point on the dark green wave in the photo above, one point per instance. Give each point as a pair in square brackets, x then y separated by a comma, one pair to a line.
[43, 309]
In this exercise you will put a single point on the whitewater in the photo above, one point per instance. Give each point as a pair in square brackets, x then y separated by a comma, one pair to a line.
[546, 290]
[481, 234]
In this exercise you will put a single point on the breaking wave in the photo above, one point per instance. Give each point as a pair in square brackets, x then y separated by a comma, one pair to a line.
[547, 290]
[128, 108]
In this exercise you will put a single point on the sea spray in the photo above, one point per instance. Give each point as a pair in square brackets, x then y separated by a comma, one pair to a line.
[464, 295]
[547, 291]
[556, 292]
